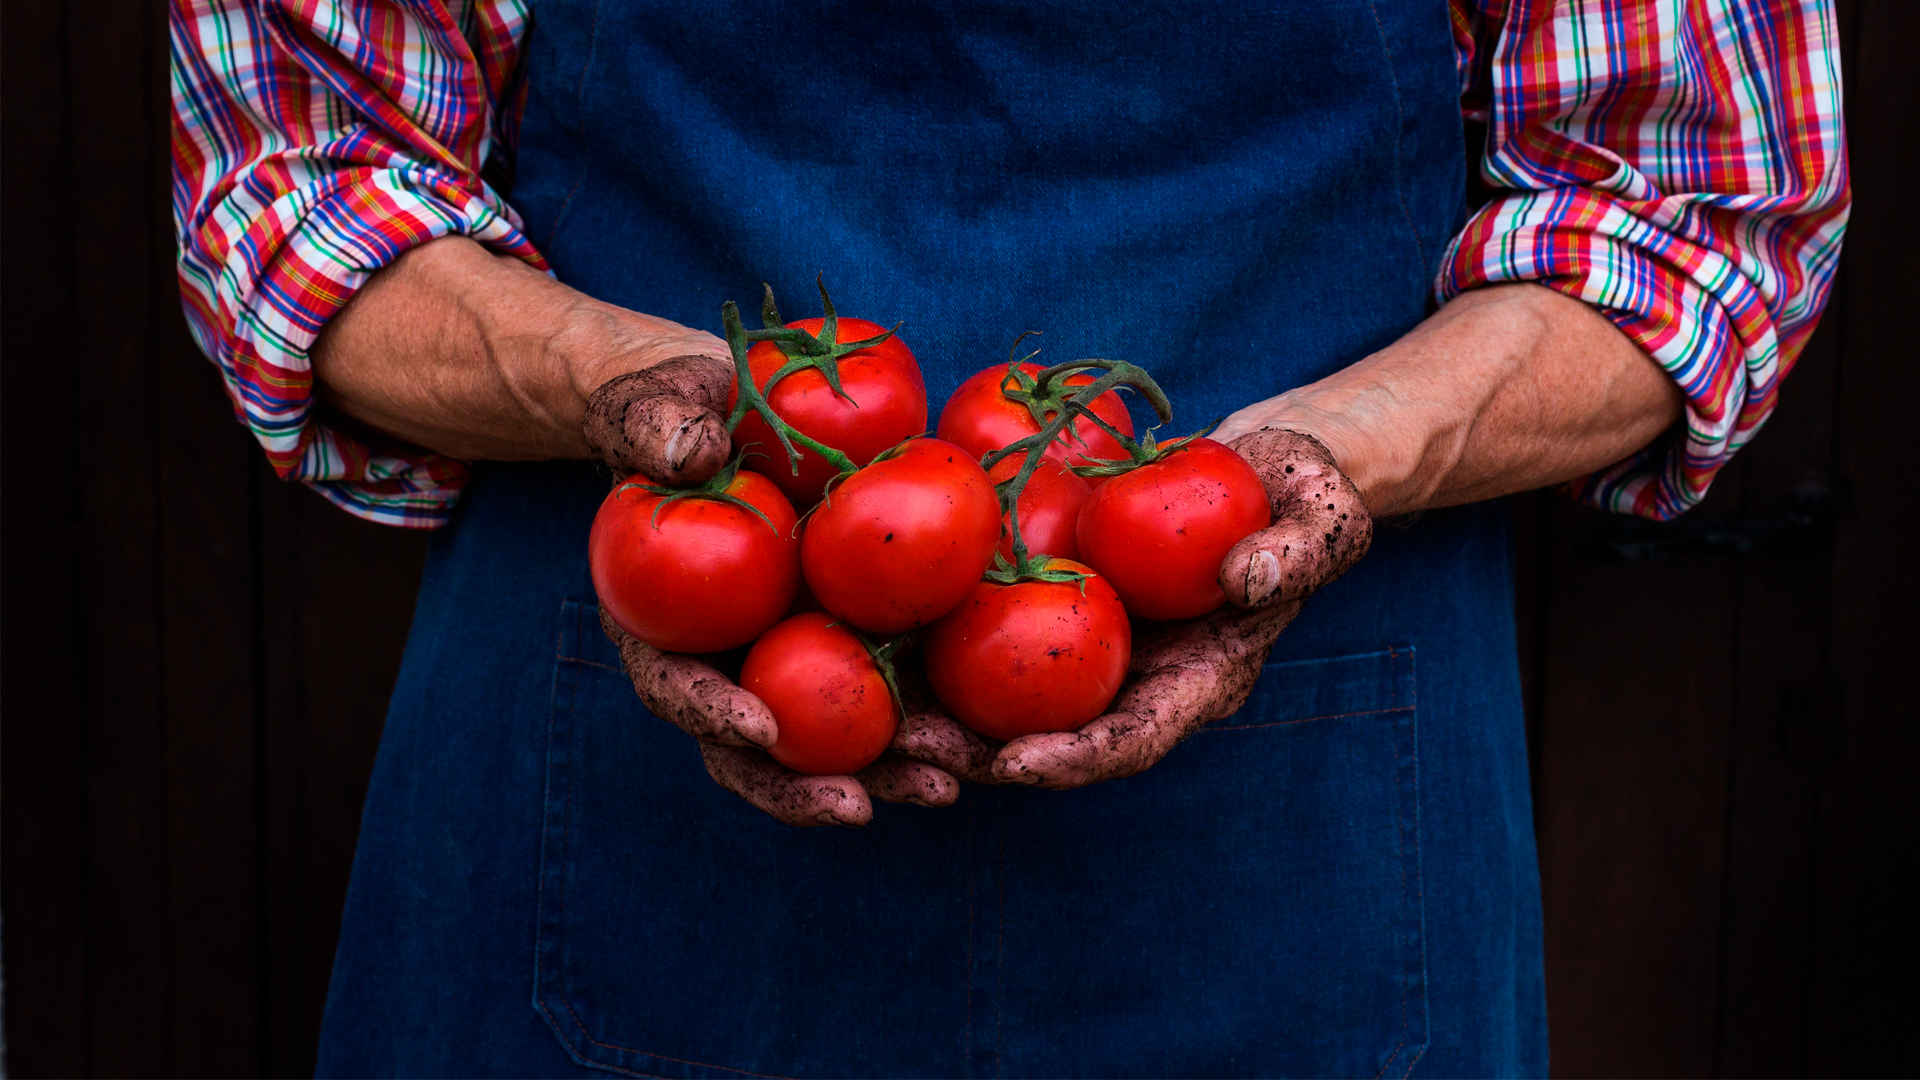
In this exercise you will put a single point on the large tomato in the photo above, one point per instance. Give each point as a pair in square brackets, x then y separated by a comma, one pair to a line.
[706, 575]
[1159, 533]
[828, 698]
[1033, 656]
[1049, 508]
[885, 402]
[979, 418]
[900, 542]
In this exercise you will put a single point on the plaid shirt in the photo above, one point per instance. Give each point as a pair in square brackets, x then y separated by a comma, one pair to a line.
[1679, 164]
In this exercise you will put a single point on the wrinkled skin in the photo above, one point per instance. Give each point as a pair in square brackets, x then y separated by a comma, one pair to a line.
[1183, 675]
[665, 421]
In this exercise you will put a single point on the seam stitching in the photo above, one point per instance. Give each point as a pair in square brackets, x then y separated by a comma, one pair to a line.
[1399, 131]
[1304, 720]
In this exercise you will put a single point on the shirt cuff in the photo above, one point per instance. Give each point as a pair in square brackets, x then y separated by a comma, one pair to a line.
[1696, 310]
[299, 264]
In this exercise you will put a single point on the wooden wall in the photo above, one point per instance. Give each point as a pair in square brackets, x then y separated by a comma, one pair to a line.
[196, 656]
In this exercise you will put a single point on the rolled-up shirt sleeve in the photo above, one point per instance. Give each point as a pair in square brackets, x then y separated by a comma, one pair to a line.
[314, 143]
[1679, 164]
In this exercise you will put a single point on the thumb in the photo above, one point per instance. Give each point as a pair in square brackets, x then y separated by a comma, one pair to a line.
[1320, 525]
[663, 421]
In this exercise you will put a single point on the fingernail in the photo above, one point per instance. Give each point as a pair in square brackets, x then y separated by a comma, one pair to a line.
[1263, 576]
[677, 449]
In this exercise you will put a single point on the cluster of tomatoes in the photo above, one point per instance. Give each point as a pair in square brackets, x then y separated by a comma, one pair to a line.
[1008, 549]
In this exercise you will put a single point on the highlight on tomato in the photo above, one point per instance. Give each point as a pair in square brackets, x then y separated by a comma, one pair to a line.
[848, 384]
[831, 696]
[696, 570]
[991, 410]
[899, 543]
[1031, 656]
[1158, 533]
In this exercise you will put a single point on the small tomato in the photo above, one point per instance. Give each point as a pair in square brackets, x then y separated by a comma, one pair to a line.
[1159, 533]
[980, 418]
[885, 402]
[697, 574]
[900, 542]
[1029, 657]
[828, 697]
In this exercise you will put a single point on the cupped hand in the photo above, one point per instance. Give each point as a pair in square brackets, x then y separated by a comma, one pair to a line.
[1187, 674]
[665, 421]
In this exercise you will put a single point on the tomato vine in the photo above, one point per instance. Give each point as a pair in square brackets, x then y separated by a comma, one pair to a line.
[1055, 405]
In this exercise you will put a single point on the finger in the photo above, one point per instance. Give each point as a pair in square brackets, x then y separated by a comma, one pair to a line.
[691, 695]
[1113, 746]
[1149, 718]
[900, 779]
[940, 741]
[1195, 672]
[663, 421]
[1320, 525]
[791, 797]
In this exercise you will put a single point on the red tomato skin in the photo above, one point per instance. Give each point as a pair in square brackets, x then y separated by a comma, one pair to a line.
[886, 382]
[902, 541]
[708, 576]
[1159, 533]
[1049, 508]
[832, 706]
[979, 418]
[1035, 656]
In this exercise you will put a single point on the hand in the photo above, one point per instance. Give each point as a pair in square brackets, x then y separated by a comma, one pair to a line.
[664, 421]
[1184, 675]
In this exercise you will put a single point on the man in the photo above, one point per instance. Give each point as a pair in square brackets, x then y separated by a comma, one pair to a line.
[1323, 861]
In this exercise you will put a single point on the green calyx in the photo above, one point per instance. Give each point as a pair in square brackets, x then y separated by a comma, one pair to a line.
[1005, 573]
[1144, 452]
[803, 351]
[714, 489]
[882, 654]
[1043, 403]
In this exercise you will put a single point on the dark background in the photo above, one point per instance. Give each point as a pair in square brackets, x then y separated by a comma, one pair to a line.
[197, 656]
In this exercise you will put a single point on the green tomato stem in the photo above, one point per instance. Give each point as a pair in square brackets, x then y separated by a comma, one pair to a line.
[1055, 409]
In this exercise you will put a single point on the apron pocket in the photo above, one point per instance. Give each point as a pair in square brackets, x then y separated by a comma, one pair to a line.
[1249, 906]
[681, 932]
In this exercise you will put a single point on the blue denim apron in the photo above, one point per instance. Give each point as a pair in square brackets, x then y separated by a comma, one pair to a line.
[1338, 880]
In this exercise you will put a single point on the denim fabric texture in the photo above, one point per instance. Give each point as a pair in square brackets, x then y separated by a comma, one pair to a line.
[1338, 880]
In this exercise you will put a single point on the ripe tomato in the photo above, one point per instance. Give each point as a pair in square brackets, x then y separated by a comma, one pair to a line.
[1158, 533]
[832, 705]
[1034, 656]
[1049, 508]
[979, 418]
[707, 575]
[900, 542]
[889, 403]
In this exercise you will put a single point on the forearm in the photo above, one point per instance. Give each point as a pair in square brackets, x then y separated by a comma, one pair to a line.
[480, 356]
[1504, 389]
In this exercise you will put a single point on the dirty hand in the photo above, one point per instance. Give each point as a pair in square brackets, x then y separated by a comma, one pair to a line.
[1187, 674]
[665, 421]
